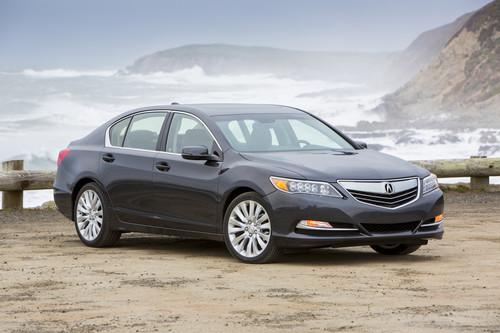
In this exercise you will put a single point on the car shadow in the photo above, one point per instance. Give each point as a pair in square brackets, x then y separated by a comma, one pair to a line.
[348, 256]
[206, 248]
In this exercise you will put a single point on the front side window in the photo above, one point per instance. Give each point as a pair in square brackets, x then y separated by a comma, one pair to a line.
[187, 131]
[117, 132]
[279, 132]
[144, 131]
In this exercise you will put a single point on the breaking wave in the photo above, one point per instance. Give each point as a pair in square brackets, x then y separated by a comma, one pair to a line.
[64, 73]
[41, 111]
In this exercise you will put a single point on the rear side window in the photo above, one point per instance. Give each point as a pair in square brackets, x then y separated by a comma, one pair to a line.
[117, 132]
[144, 131]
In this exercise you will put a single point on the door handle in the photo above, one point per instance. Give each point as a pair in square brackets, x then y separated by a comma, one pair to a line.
[162, 166]
[108, 158]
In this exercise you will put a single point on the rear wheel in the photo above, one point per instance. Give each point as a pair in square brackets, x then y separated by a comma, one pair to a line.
[248, 229]
[396, 249]
[93, 220]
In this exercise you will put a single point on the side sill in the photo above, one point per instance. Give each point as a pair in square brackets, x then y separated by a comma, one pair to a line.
[133, 227]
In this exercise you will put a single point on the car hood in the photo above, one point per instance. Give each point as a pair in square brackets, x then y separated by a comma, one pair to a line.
[334, 165]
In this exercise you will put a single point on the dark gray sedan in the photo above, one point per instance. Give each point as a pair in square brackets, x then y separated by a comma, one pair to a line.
[261, 178]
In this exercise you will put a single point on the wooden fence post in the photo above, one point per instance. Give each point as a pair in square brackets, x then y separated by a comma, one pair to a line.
[479, 183]
[12, 199]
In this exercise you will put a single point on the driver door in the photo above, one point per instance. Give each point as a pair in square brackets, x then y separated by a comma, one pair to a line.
[186, 191]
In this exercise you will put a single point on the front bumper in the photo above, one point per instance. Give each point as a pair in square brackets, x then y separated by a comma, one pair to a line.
[288, 209]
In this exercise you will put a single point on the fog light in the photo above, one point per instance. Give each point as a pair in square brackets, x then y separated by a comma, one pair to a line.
[438, 218]
[312, 224]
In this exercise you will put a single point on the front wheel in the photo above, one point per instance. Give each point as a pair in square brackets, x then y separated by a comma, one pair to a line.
[93, 220]
[248, 230]
[395, 249]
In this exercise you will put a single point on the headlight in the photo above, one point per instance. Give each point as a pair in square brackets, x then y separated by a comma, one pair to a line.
[430, 183]
[294, 186]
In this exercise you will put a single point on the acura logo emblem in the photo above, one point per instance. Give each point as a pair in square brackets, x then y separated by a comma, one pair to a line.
[388, 188]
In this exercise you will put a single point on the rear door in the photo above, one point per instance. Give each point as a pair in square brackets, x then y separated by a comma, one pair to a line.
[186, 194]
[127, 165]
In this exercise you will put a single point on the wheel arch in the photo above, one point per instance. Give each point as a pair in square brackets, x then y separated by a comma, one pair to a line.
[78, 186]
[232, 194]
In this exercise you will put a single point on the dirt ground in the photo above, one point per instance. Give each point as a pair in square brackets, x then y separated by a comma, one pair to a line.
[50, 282]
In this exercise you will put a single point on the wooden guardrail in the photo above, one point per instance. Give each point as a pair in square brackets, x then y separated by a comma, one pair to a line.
[14, 180]
[478, 168]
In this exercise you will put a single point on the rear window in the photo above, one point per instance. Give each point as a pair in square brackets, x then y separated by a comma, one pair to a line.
[144, 131]
[117, 132]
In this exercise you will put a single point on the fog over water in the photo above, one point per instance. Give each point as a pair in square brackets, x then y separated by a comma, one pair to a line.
[42, 111]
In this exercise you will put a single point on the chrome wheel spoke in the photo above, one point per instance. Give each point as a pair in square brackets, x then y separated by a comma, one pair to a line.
[251, 208]
[82, 209]
[233, 230]
[244, 209]
[235, 223]
[86, 231]
[254, 243]
[264, 237]
[265, 226]
[258, 210]
[86, 200]
[248, 248]
[263, 218]
[93, 199]
[240, 215]
[261, 242]
[239, 239]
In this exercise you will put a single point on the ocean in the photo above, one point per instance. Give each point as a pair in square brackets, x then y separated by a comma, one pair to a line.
[42, 111]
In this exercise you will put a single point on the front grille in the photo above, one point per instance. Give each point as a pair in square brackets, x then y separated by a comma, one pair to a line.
[386, 200]
[390, 227]
[375, 193]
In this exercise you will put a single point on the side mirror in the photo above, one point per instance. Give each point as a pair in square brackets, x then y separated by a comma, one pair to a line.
[199, 153]
[362, 145]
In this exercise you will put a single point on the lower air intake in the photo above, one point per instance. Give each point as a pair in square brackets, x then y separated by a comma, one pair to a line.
[390, 227]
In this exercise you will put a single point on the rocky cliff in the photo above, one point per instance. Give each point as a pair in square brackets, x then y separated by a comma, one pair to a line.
[461, 85]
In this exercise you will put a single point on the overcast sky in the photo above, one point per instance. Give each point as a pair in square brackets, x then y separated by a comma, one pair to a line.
[99, 34]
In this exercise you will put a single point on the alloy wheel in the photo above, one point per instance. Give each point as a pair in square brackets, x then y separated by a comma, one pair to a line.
[89, 215]
[249, 228]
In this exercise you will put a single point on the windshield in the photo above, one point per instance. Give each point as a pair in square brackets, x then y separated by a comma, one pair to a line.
[279, 132]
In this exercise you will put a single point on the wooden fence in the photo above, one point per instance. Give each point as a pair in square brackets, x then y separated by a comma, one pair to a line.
[14, 180]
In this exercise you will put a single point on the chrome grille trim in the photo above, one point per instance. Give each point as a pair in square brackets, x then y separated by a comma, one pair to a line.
[377, 196]
[372, 192]
[431, 224]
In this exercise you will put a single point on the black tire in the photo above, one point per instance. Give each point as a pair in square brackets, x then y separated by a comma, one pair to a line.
[396, 249]
[271, 251]
[106, 236]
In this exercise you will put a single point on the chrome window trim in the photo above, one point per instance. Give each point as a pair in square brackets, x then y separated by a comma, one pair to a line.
[107, 141]
[339, 181]
[202, 122]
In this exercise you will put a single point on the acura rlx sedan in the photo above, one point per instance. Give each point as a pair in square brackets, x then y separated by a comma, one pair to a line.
[261, 178]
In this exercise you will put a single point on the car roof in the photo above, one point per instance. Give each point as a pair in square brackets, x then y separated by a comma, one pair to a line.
[219, 109]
